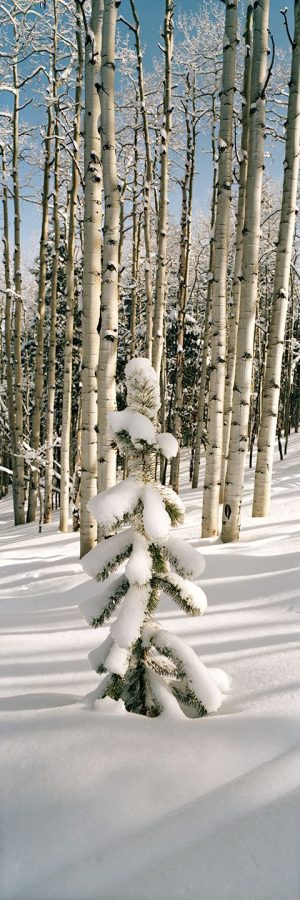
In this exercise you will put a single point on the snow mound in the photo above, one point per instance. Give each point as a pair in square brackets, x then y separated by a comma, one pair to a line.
[216, 797]
[111, 707]
[221, 679]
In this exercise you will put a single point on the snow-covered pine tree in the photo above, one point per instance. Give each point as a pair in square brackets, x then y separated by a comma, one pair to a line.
[148, 668]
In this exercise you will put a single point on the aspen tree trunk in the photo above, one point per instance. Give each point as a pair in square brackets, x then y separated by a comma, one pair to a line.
[179, 370]
[260, 350]
[211, 495]
[201, 395]
[138, 254]
[76, 473]
[18, 379]
[26, 401]
[242, 387]
[121, 241]
[91, 275]
[121, 231]
[4, 434]
[70, 271]
[40, 331]
[289, 365]
[154, 170]
[184, 264]
[49, 470]
[134, 266]
[161, 270]
[163, 409]
[271, 389]
[106, 375]
[202, 388]
[7, 325]
[296, 399]
[234, 308]
[147, 186]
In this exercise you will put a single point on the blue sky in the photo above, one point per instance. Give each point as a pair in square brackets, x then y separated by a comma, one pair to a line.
[151, 14]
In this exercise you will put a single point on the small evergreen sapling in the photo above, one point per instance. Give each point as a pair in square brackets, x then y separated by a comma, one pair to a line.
[147, 667]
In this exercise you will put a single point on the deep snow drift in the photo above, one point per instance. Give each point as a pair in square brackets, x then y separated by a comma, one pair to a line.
[110, 806]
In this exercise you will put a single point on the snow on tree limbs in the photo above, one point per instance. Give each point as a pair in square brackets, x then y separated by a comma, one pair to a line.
[146, 667]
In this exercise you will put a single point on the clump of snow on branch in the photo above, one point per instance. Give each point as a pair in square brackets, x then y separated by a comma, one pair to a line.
[117, 660]
[139, 567]
[167, 444]
[113, 505]
[108, 554]
[156, 521]
[126, 629]
[198, 678]
[92, 607]
[139, 428]
[189, 563]
[191, 593]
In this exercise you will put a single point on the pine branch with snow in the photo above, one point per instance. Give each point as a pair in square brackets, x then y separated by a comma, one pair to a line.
[146, 667]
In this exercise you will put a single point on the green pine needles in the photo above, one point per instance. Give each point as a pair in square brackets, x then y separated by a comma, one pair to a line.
[147, 668]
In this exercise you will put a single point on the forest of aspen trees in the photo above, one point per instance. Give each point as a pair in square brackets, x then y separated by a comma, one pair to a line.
[149, 449]
[101, 156]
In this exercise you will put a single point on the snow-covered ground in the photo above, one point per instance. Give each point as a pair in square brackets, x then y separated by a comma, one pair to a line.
[96, 806]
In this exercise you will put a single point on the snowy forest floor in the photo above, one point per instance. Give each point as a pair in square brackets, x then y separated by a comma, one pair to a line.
[96, 806]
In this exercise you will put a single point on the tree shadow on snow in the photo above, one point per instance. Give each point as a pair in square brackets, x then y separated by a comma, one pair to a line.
[36, 701]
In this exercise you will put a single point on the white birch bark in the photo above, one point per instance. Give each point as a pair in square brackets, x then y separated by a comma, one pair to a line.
[18, 316]
[206, 333]
[210, 512]
[91, 275]
[135, 229]
[201, 395]
[40, 330]
[183, 274]
[161, 270]
[51, 371]
[7, 331]
[234, 307]
[70, 273]
[106, 375]
[147, 186]
[76, 472]
[287, 374]
[271, 388]
[242, 386]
